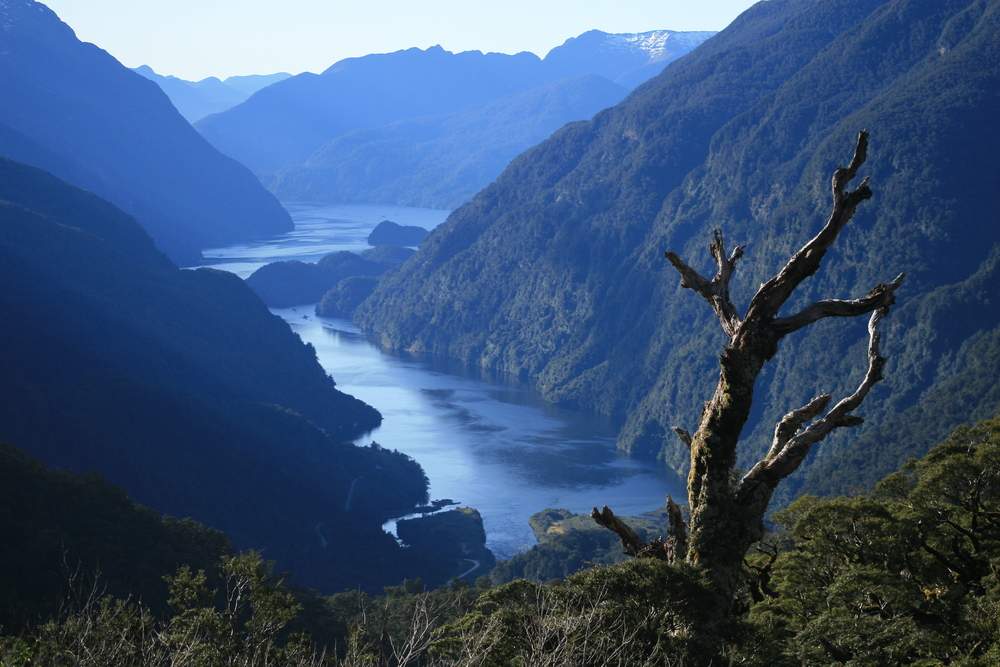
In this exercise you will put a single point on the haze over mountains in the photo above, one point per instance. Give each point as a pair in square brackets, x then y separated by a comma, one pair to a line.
[555, 273]
[75, 111]
[197, 99]
[429, 127]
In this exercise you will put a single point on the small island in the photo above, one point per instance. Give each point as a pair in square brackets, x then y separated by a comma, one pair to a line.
[389, 233]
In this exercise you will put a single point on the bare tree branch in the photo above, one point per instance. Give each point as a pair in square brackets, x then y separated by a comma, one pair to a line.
[683, 435]
[715, 291]
[883, 294]
[780, 464]
[772, 295]
[633, 546]
[793, 421]
[676, 544]
[630, 541]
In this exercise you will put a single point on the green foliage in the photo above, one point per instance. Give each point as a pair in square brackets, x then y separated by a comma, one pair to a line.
[66, 535]
[905, 575]
[643, 612]
[243, 622]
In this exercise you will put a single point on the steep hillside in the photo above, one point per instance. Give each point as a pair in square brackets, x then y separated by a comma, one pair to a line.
[180, 387]
[64, 531]
[197, 99]
[555, 273]
[71, 108]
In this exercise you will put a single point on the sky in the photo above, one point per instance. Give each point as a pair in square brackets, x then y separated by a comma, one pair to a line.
[198, 38]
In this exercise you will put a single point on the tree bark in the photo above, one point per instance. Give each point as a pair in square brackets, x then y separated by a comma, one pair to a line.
[727, 513]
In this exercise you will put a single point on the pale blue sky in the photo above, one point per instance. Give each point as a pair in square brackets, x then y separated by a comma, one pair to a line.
[197, 38]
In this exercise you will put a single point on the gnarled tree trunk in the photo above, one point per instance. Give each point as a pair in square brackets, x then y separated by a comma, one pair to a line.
[727, 514]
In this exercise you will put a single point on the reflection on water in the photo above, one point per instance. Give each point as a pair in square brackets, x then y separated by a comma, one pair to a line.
[319, 230]
[492, 446]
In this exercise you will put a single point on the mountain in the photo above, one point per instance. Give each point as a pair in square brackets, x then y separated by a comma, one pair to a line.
[197, 99]
[442, 161]
[628, 59]
[361, 127]
[182, 388]
[285, 123]
[555, 274]
[248, 84]
[72, 109]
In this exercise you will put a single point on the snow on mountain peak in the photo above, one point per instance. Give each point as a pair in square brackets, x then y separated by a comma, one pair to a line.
[657, 44]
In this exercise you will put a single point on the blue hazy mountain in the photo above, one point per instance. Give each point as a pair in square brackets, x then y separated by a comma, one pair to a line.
[197, 99]
[180, 387]
[305, 135]
[74, 110]
[441, 161]
[555, 272]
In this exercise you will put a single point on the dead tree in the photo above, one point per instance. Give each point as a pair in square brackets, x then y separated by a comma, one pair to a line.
[727, 512]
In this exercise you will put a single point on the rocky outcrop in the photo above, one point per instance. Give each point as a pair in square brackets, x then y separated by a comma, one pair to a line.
[456, 535]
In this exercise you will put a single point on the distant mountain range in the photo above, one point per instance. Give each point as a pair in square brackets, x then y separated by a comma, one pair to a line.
[554, 274]
[197, 99]
[73, 110]
[442, 161]
[429, 127]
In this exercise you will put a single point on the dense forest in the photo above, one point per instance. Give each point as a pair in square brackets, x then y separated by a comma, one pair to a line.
[183, 389]
[905, 574]
[572, 293]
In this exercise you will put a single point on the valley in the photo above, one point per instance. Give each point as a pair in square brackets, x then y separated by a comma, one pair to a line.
[496, 447]
[432, 335]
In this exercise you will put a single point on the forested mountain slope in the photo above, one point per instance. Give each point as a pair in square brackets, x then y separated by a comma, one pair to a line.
[64, 534]
[555, 273]
[183, 389]
[70, 108]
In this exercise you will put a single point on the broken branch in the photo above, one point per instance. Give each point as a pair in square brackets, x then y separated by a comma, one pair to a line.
[784, 460]
[630, 541]
[715, 291]
[768, 300]
[882, 295]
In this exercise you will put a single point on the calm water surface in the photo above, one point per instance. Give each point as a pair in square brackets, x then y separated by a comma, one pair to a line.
[495, 447]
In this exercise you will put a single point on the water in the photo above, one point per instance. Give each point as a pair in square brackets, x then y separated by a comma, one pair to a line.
[495, 447]
[319, 230]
